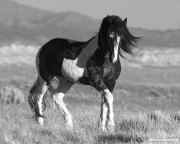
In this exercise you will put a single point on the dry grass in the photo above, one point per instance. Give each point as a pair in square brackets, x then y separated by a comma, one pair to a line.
[146, 106]
[135, 121]
[10, 94]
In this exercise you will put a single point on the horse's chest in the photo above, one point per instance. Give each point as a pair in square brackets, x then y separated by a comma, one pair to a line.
[73, 70]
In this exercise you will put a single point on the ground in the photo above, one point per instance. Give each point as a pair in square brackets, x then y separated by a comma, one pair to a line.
[146, 107]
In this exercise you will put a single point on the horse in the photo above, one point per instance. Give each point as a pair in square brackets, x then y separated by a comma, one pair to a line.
[94, 62]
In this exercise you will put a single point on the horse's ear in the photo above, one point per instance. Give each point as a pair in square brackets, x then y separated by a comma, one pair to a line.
[125, 21]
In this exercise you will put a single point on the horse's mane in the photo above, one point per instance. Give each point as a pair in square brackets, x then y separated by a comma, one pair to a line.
[116, 24]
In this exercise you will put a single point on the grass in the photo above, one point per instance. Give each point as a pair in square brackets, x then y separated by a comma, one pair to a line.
[144, 109]
[11, 94]
[135, 121]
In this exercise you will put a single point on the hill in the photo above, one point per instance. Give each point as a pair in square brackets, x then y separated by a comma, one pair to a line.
[10, 11]
[158, 38]
[31, 25]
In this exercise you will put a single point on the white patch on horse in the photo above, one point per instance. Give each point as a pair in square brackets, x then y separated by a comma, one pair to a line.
[116, 46]
[72, 70]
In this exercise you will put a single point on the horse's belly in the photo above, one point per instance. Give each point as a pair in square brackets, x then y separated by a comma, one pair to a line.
[73, 70]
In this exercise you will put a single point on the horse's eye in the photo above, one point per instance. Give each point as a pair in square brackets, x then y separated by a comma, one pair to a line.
[112, 35]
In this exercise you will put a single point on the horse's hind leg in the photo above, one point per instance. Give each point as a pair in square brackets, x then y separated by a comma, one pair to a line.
[59, 93]
[36, 97]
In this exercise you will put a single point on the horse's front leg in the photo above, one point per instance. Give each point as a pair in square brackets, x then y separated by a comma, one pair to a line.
[107, 111]
[109, 101]
[103, 114]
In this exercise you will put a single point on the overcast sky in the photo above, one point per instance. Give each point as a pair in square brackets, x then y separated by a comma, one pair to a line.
[149, 14]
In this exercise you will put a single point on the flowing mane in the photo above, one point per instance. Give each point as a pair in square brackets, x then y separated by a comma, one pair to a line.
[117, 25]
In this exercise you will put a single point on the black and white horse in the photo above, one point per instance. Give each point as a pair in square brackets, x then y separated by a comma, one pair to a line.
[94, 62]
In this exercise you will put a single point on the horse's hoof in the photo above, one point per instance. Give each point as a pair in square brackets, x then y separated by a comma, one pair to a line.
[110, 128]
[68, 128]
[68, 123]
[40, 121]
[102, 129]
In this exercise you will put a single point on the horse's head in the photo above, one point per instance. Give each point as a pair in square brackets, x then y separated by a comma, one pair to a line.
[113, 35]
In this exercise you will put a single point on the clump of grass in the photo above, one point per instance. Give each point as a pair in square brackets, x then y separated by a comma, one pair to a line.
[159, 115]
[175, 117]
[133, 125]
[11, 94]
[154, 93]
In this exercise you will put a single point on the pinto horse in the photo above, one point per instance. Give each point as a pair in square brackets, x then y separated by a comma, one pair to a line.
[94, 62]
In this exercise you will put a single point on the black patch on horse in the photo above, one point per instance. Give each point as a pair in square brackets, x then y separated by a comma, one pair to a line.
[53, 53]
[101, 70]
[84, 80]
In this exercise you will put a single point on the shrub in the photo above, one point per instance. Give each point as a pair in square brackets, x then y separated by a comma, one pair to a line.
[11, 94]
[154, 93]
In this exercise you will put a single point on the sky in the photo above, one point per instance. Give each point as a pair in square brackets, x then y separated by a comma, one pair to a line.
[148, 14]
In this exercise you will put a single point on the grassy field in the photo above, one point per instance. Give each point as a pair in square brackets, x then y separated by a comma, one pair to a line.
[146, 107]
